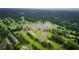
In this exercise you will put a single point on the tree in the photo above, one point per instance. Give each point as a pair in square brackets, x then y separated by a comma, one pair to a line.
[3, 31]
[22, 19]
[71, 45]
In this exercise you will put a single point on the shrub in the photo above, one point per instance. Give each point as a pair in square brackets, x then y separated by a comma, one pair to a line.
[71, 45]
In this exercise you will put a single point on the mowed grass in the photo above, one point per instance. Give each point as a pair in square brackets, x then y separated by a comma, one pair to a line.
[37, 32]
[32, 42]
[55, 46]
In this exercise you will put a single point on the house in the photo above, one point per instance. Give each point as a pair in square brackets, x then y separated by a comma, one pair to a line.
[26, 28]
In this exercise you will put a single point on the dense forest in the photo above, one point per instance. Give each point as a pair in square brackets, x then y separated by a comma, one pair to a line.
[39, 29]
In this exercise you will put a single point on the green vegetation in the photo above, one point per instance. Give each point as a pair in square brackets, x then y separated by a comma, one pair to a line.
[36, 35]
